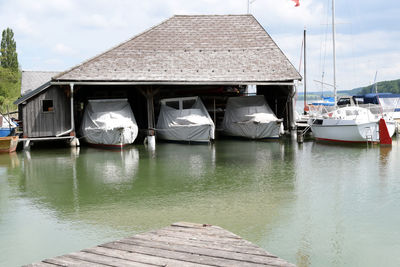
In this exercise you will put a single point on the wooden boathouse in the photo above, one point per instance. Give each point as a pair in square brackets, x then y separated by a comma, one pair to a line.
[181, 244]
[210, 56]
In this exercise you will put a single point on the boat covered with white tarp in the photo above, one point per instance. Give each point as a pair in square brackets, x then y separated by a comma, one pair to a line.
[251, 117]
[109, 122]
[185, 119]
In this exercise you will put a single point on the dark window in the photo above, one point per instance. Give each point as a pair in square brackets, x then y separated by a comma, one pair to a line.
[47, 106]
[187, 104]
[173, 104]
[343, 101]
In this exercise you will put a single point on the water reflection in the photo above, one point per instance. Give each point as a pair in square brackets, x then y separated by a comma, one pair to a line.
[221, 183]
[191, 161]
[9, 161]
[384, 159]
[109, 166]
[312, 204]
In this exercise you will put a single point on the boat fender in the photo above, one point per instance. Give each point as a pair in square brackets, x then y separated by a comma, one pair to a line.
[384, 137]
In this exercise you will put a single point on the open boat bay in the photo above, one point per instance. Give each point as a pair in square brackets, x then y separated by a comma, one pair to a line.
[311, 204]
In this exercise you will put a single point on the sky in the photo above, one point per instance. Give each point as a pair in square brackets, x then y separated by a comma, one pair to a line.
[55, 35]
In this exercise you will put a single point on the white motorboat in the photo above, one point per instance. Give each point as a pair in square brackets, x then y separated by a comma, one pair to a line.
[184, 119]
[351, 124]
[109, 123]
[251, 117]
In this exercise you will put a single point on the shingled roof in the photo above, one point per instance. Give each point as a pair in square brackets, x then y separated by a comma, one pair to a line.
[191, 49]
[31, 80]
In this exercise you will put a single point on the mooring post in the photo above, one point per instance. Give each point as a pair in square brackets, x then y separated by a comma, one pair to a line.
[151, 138]
[151, 134]
[27, 144]
[71, 131]
[300, 136]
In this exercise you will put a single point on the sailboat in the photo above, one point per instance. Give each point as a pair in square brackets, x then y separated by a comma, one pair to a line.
[354, 123]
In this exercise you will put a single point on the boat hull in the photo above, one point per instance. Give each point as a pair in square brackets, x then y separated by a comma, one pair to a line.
[187, 133]
[5, 132]
[350, 132]
[253, 130]
[8, 144]
[113, 138]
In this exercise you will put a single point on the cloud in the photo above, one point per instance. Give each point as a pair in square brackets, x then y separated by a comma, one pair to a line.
[63, 49]
[64, 33]
[22, 25]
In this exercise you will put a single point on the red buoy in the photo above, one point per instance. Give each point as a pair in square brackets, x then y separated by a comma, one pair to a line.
[384, 136]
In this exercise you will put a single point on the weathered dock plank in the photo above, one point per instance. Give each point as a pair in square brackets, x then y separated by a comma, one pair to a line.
[181, 244]
[68, 261]
[41, 264]
[137, 257]
[178, 255]
[205, 251]
[246, 249]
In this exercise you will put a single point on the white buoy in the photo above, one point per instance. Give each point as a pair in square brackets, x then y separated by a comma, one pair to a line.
[75, 142]
[151, 142]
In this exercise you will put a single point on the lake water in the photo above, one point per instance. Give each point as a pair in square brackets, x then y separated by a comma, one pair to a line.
[311, 204]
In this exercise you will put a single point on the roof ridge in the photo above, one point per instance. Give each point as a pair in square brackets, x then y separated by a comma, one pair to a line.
[112, 48]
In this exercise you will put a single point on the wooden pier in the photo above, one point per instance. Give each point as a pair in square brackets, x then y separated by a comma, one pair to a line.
[181, 244]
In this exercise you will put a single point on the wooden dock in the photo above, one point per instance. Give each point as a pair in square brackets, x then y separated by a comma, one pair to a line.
[181, 244]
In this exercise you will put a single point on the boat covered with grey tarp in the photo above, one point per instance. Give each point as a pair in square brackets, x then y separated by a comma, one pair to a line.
[251, 117]
[109, 122]
[185, 119]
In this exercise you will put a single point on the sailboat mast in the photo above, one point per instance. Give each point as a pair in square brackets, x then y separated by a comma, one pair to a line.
[334, 51]
[305, 71]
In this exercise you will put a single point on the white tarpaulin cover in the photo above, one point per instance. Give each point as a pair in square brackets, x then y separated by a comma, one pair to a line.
[109, 122]
[391, 104]
[184, 119]
[6, 122]
[250, 117]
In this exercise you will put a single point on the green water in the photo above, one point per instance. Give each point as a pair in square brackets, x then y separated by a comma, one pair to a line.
[311, 204]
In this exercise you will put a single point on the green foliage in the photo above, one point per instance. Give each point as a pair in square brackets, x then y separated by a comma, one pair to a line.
[10, 85]
[8, 50]
[10, 76]
[383, 87]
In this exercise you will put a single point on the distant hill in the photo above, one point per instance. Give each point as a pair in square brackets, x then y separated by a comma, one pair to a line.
[383, 87]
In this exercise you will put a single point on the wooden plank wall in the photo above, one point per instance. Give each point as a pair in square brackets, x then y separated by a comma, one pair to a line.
[37, 123]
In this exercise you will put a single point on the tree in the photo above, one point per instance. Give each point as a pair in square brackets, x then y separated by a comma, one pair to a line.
[8, 50]
[10, 85]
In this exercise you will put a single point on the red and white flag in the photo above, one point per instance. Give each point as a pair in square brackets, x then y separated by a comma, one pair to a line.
[297, 2]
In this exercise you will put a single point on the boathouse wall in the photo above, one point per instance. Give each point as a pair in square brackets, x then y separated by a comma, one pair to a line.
[47, 114]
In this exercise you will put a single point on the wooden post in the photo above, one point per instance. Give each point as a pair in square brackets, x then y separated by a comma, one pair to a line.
[149, 94]
[215, 114]
[150, 110]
